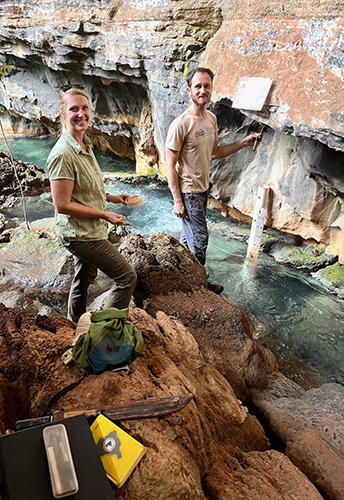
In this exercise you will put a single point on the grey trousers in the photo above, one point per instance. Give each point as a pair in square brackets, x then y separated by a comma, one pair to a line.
[89, 256]
[194, 233]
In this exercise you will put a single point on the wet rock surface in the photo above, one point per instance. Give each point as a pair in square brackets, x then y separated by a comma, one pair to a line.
[36, 271]
[286, 250]
[332, 278]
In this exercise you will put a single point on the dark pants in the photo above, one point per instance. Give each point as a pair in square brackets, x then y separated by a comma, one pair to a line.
[89, 256]
[194, 233]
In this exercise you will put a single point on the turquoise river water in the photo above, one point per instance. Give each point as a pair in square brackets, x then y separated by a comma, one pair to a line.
[304, 324]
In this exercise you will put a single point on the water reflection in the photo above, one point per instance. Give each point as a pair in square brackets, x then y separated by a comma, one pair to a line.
[29, 148]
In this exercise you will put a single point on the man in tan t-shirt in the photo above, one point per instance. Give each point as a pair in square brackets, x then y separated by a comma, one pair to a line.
[192, 141]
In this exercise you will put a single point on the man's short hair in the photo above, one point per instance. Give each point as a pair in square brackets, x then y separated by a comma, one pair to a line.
[190, 74]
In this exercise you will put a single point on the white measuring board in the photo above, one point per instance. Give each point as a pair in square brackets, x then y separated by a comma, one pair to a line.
[257, 238]
[251, 93]
[257, 227]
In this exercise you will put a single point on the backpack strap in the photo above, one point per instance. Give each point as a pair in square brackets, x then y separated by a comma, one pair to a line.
[61, 393]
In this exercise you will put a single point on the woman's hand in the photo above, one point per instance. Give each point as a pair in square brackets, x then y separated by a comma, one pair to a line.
[116, 219]
[118, 198]
[124, 198]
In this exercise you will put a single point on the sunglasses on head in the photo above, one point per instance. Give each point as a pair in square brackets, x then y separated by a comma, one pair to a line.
[65, 88]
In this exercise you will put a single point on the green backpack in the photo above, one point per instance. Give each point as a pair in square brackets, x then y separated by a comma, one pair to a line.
[110, 342]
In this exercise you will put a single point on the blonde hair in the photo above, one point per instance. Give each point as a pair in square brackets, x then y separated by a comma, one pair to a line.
[71, 91]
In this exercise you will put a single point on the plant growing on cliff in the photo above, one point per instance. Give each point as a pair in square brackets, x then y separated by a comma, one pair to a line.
[3, 72]
[3, 69]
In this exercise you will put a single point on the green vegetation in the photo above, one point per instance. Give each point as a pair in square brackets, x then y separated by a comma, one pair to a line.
[268, 240]
[303, 257]
[333, 274]
[134, 178]
[3, 69]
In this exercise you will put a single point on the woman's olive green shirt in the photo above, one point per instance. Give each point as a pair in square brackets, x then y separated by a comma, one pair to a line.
[67, 160]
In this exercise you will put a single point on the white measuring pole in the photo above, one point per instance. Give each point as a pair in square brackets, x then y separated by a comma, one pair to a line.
[257, 224]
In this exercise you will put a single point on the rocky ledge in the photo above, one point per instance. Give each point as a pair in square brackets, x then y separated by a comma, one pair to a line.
[33, 180]
[195, 342]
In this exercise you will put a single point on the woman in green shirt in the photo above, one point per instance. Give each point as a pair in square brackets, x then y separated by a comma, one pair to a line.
[79, 197]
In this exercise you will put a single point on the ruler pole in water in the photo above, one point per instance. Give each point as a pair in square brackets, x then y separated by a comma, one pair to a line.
[257, 224]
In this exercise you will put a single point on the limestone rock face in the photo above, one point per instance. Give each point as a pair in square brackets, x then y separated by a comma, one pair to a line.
[213, 448]
[297, 46]
[130, 55]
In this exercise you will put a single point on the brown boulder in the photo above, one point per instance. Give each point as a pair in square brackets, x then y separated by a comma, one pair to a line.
[310, 424]
[163, 265]
[322, 462]
[171, 279]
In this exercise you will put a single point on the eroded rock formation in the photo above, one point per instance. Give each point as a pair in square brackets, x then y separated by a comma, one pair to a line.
[131, 56]
[33, 180]
[310, 424]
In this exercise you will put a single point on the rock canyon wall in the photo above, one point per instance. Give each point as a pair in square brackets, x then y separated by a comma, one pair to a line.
[131, 55]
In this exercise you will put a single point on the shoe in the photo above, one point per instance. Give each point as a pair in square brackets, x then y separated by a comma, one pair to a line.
[215, 288]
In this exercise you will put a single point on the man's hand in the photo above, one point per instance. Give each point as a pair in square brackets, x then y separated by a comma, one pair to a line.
[224, 151]
[179, 210]
[250, 140]
[173, 182]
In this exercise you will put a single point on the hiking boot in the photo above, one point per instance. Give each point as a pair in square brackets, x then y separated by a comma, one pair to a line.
[215, 288]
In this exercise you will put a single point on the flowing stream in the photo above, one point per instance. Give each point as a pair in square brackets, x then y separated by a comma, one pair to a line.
[303, 324]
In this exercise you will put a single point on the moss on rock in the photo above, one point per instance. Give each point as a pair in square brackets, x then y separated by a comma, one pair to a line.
[333, 274]
[303, 257]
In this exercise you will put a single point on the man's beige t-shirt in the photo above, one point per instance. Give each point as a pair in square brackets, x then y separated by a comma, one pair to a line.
[194, 138]
[67, 160]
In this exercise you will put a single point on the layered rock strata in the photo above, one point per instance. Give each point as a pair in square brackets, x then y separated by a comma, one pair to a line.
[131, 57]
